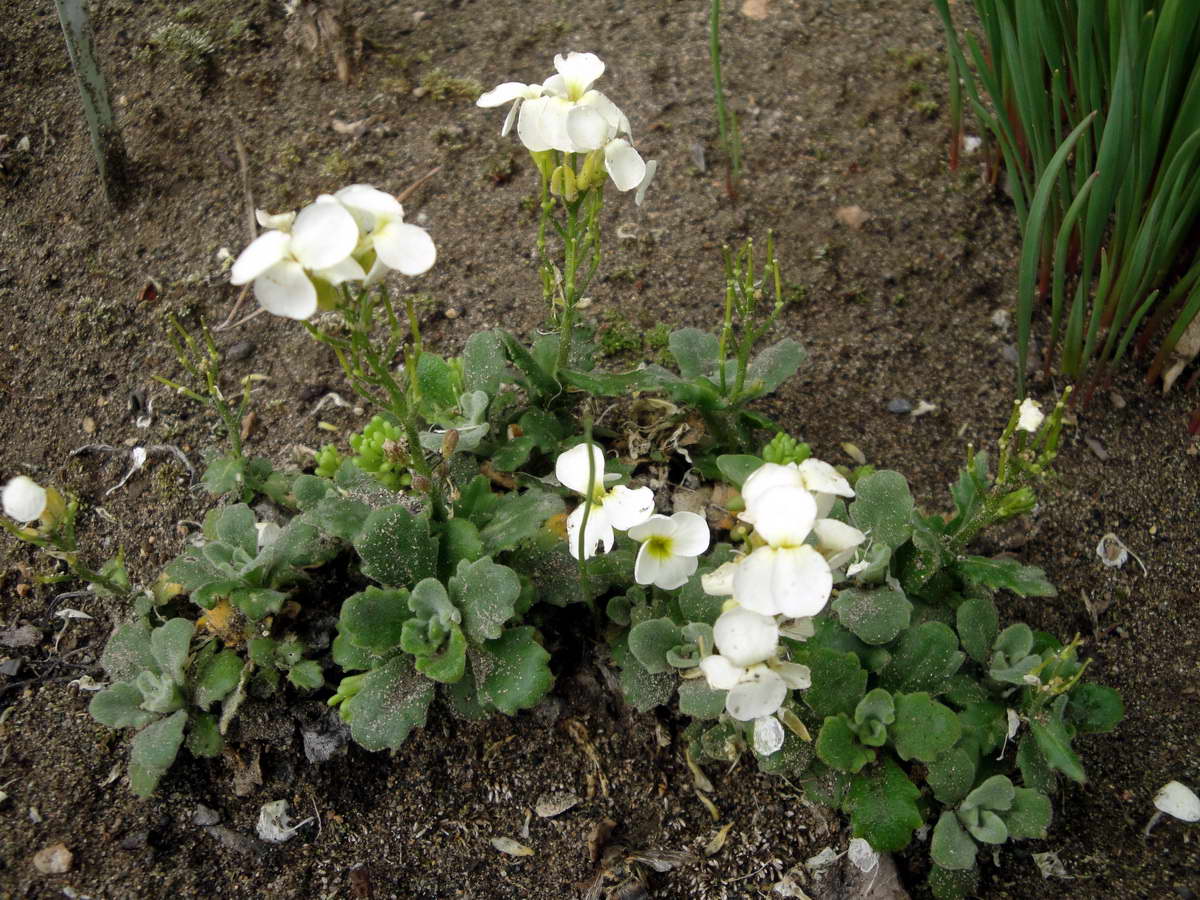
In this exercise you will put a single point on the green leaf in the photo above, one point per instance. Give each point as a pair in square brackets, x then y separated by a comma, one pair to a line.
[838, 748]
[460, 542]
[947, 884]
[128, 652]
[373, 619]
[952, 848]
[878, 559]
[513, 454]
[698, 700]
[736, 468]
[339, 516]
[642, 690]
[925, 659]
[995, 793]
[968, 492]
[235, 527]
[696, 605]
[883, 507]
[307, 675]
[792, 759]
[838, 681]
[159, 693]
[883, 807]
[537, 378]
[518, 517]
[1035, 771]
[349, 657]
[512, 672]
[986, 723]
[309, 490]
[224, 474]
[153, 750]
[396, 547]
[951, 775]
[1095, 709]
[775, 365]
[257, 604]
[977, 621]
[924, 729]
[695, 351]
[985, 826]
[1055, 744]
[435, 380]
[486, 594]
[216, 678]
[119, 706]
[448, 662]
[875, 616]
[484, 365]
[393, 700]
[1025, 581]
[204, 736]
[1030, 814]
[650, 641]
[170, 643]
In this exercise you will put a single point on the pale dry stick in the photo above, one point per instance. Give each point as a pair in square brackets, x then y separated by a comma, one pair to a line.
[251, 224]
[225, 326]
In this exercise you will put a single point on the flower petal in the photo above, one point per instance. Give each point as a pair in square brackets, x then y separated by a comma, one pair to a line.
[784, 516]
[506, 93]
[794, 675]
[837, 541]
[651, 169]
[599, 532]
[822, 478]
[768, 735]
[801, 581]
[1031, 416]
[264, 251]
[286, 290]
[719, 582]
[760, 693]
[571, 468]
[624, 164]
[657, 525]
[370, 206]
[720, 672]
[578, 70]
[542, 124]
[587, 129]
[510, 119]
[628, 507]
[690, 536]
[766, 477]
[324, 234]
[407, 248]
[274, 221]
[668, 574]
[745, 637]
[347, 270]
[617, 123]
[23, 499]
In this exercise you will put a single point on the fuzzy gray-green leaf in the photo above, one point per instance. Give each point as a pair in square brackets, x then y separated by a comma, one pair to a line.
[486, 594]
[876, 616]
[153, 750]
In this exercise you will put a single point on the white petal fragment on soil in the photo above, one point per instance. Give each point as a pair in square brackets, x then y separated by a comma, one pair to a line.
[511, 847]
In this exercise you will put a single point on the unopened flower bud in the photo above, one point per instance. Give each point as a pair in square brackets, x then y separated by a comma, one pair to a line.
[592, 170]
[1017, 503]
[563, 183]
[449, 442]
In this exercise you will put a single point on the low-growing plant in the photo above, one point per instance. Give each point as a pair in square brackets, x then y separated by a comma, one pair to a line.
[834, 632]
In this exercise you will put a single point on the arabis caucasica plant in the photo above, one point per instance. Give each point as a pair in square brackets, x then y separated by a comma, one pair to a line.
[355, 235]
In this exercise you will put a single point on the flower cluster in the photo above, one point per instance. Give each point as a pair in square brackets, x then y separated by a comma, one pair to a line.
[566, 114]
[357, 234]
[787, 576]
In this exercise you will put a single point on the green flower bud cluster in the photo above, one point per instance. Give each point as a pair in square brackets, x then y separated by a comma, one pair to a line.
[382, 450]
[783, 449]
[328, 461]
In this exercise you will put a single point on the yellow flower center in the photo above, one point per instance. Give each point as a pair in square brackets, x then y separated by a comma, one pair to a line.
[659, 545]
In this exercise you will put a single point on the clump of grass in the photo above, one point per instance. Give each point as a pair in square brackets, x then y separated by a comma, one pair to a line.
[1095, 111]
[437, 85]
[189, 48]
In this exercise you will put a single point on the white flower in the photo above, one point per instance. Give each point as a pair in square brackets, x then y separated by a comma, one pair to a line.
[669, 548]
[24, 499]
[282, 265]
[509, 92]
[787, 576]
[380, 218]
[822, 479]
[620, 507]
[1031, 416]
[768, 735]
[268, 533]
[746, 667]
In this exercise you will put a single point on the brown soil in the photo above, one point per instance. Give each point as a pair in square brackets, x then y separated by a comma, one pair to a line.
[841, 104]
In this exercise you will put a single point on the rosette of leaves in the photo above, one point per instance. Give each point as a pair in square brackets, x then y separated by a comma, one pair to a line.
[464, 635]
[275, 659]
[229, 564]
[167, 693]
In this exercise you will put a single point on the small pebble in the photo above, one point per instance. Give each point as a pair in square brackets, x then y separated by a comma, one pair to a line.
[89, 425]
[240, 351]
[899, 406]
[203, 815]
[53, 860]
[135, 840]
[452, 313]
